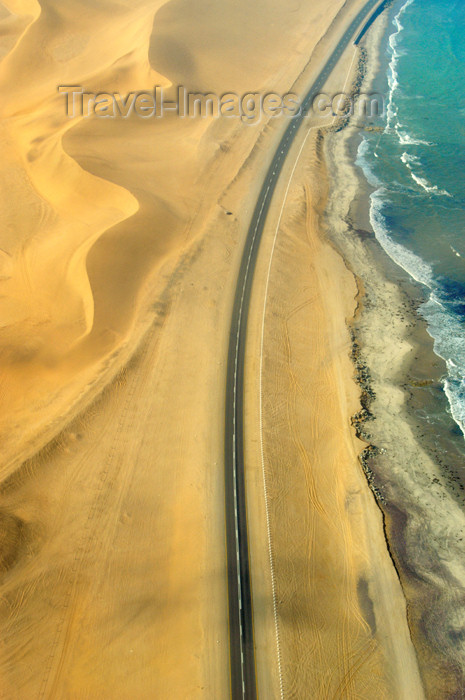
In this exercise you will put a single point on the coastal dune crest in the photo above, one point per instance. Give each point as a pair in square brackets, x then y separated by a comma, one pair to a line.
[53, 210]
[121, 241]
[92, 209]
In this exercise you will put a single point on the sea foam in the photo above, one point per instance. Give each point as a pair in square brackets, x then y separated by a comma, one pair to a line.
[409, 160]
[402, 197]
[417, 268]
[393, 76]
[448, 333]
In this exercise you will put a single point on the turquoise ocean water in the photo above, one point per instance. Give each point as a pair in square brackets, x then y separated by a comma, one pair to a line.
[417, 169]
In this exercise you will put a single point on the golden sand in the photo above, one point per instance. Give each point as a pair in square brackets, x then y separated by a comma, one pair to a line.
[118, 267]
[340, 628]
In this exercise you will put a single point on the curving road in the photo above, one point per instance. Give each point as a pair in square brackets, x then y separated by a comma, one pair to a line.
[241, 640]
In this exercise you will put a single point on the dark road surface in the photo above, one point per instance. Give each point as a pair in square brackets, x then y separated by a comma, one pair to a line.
[241, 639]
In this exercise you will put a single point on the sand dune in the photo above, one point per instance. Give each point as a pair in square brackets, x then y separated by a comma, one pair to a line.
[81, 197]
[120, 242]
[53, 211]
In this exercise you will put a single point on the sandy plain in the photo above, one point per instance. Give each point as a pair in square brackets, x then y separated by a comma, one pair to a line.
[340, 626]
[118, 269]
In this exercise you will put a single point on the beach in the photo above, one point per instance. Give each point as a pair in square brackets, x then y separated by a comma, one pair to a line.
[414, 472]
[341, 621]
[121, 250]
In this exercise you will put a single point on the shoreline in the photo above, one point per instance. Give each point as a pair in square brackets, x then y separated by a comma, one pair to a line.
[309, 493]
[334, 627]
[399, 377]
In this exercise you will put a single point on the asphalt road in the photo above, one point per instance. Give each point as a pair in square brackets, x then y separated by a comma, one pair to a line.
[241, 631]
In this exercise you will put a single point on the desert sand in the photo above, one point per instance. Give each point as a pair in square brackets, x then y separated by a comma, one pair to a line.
[118, 267]
[340, 628]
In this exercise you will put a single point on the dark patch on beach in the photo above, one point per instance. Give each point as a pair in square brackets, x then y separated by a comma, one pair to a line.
[360, 419]
[366, 604]
[12, 535]
[362, 234]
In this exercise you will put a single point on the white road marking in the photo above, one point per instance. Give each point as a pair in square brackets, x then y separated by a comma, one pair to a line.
[262, 452]
[235, 488]
[236, 359]
[347, 77]
[265, 487]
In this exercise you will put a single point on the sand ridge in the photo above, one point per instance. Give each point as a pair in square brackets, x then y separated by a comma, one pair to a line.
[70, 298]
[118, 237]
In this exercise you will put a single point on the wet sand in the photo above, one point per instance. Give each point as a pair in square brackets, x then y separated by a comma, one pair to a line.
[119, 261]
[413, 468]
[339, 624]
